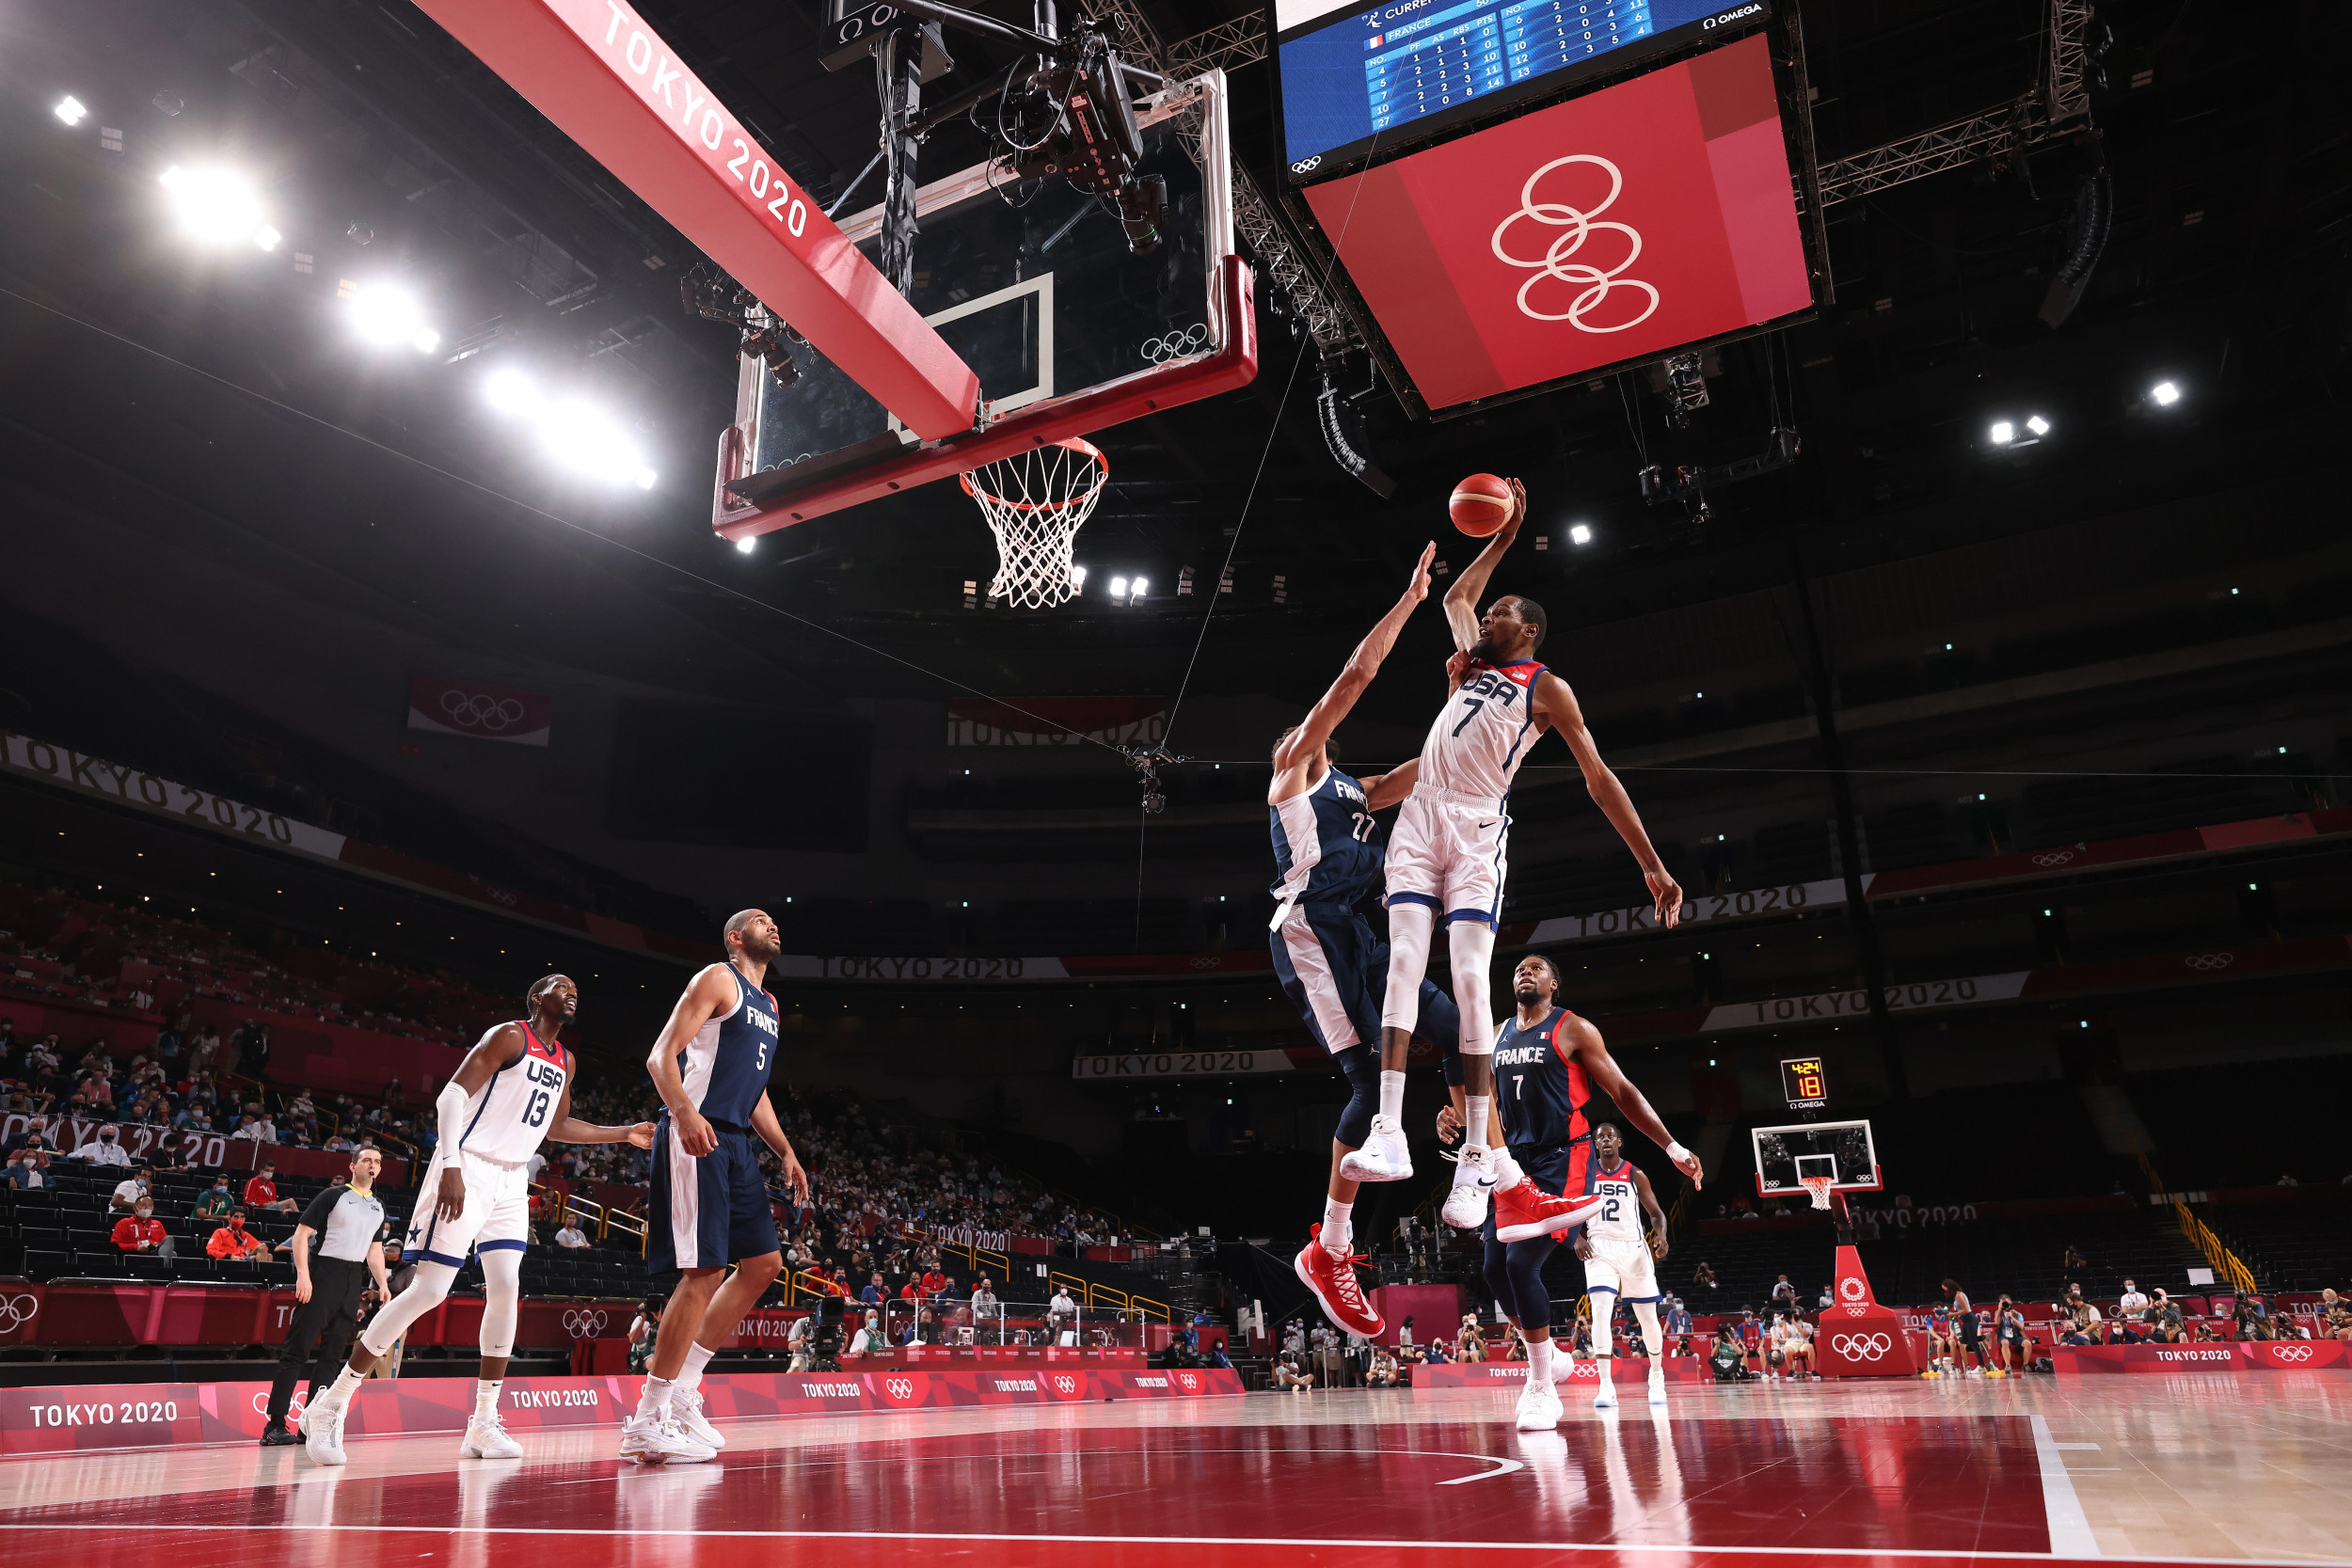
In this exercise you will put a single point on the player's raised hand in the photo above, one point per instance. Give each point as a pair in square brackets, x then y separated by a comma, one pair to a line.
[1449, 1124]
[1418, 589]
[1667, 893]
[1456, 670]
[1519, 504]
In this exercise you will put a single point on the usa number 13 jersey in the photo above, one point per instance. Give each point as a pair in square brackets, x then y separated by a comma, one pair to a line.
[509, 1119]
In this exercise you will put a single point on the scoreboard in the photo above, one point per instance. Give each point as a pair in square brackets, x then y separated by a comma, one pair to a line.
[1362, 82]
[1805, 1083]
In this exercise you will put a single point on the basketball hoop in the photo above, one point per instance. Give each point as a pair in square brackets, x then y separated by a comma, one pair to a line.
[1819, 1187]
[1035, 502]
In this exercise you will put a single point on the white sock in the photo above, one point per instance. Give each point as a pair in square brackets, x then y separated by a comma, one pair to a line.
[1507, 1172]
[1335, 1224]
[1538, 1360]
[345, 1382]
[1474, 1111]
[654, 1403]
[1393, 1095]
[485, 1397]
[690, 1377]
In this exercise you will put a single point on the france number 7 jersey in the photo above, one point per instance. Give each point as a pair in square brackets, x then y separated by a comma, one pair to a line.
[1483, 732]
[509, 1119]
[1541, 1089]
[725, 1066]
[1325, 844]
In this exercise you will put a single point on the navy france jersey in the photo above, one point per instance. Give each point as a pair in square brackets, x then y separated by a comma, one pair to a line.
[725, 1066]
[1540, 1087]
[1325, 844]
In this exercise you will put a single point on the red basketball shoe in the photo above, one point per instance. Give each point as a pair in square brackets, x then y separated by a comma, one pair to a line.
[1332, 1278]
[1526, 1211]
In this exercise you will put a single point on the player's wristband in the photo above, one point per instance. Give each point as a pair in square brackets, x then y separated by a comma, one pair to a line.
[1676, 1154]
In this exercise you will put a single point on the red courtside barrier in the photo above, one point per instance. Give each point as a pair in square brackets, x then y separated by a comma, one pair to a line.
[2256, 1356]
[62, 1419]
[1624, 1368]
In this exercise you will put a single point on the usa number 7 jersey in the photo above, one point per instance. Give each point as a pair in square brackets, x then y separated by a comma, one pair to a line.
[1483, 732]
[507, 1121]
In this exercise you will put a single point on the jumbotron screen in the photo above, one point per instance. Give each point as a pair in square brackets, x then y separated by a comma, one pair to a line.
[1355, 80]
[1615, 227]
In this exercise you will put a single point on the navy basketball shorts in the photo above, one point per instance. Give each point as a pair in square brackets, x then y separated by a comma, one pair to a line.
[1335, 971]
[710, 1211]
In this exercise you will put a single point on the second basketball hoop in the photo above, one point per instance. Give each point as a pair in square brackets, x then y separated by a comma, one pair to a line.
[1035, 502]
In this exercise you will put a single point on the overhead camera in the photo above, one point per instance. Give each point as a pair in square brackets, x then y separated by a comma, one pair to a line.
[1093, 140]
[708, 292]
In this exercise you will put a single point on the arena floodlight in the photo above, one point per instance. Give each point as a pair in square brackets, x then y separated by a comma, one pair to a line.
[510, 392]
[266, 237]
[1077, 578]
[1580, 534]
[2039, 425]
[71, 109]
[1141, 585]
[215, 206]
[749, 542]
[2003, 433]
[2164, 394]
[584, 438]
[390, 317]
[1119, 588]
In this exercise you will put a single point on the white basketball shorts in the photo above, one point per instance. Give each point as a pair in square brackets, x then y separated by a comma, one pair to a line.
[1622, 1268]
[497, 1214]
[1447, 852]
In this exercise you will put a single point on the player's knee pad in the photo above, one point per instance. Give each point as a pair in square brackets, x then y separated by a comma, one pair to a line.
[427, 1290]
[1409, 928]
[1362, 1065]
[1471, 951]
[502, 1294]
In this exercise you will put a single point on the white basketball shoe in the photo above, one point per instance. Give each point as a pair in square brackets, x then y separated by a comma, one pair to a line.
[661, 1442]
[486, 1437]
[1384, 1156]
[1473, 1178]
[686, 1409]
[1539, 1407]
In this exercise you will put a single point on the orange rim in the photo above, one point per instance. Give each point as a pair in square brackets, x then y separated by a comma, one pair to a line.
[1074, 443]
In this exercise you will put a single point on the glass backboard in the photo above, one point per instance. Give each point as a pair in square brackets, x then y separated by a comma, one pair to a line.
[1841, 1150]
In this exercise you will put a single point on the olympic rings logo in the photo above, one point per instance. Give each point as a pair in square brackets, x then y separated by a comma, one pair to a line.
[1175, 345]
[1067, 1384]
[16, 1311]
[2054, 857]
[1595, 284]
[2211, 961]
[301, 1399]
[2290, 1353]
[899, 1387]
[583, 1325]
[1862, 1347]
[1306, 165]
[1852, 1289]
[480, 711]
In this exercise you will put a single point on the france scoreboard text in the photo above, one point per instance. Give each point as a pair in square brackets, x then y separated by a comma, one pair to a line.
[1352, 84]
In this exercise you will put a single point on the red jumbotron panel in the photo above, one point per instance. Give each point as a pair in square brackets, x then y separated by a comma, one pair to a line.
[1616, 226]
[608, 81]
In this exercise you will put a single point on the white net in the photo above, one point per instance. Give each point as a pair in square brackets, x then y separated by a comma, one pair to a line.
[1819, 1187]
[1035, 502]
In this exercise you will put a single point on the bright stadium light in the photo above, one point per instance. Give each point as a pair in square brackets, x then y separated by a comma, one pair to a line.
[70, 110]
[1580, 534]
[510, 392]
[390, 317]
[1119, 588]
[748, 543]
[216, 206]
[1140, 586]
[266, 237]
[584, 438]
[1077, 577]
[2003, 433]
[2039, 425]
[2164, 394]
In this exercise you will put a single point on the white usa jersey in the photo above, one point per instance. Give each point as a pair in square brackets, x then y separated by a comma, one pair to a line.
[1483, 732]
[1619, 1222]
[508, 1120]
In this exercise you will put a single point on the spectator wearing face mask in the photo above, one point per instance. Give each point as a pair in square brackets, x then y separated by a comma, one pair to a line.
[233, 1240]
[105, 1150]
[140, 1234]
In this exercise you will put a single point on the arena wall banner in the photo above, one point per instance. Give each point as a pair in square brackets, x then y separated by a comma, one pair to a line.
[1622, 1369]
[91, 1417]
[205, 1151]
[485, 712]
[2232, 1356]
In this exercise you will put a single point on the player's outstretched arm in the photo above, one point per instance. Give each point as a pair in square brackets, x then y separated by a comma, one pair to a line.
[1558, 705]
[568, 1130]
[1610, 1079]
[1461, 600]
[711, 993]
[1357, 674]
[771, 1132]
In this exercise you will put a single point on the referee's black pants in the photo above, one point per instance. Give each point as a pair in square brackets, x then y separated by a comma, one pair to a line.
[319, 1339]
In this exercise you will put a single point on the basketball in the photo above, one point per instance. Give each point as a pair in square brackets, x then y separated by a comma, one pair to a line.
[1481, 505]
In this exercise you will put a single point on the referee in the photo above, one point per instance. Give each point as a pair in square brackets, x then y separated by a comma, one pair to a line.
[348, 1222]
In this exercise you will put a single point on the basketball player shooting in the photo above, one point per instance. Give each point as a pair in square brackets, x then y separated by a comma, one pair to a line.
[710, 1204]
[1448, 857]
[513, 1090]
[1331, 964]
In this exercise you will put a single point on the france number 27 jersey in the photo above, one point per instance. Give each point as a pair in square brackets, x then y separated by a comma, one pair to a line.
[509, 1119]
[1326, 844]
[1483, 732]
[1540, 1088]
[725, 1066]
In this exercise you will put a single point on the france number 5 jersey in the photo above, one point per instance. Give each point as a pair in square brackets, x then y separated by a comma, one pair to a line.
[725, 1066]
[511, 1117]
